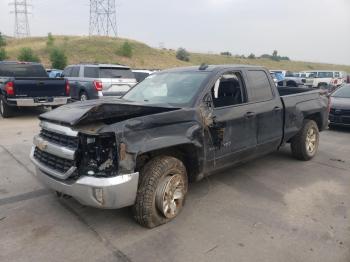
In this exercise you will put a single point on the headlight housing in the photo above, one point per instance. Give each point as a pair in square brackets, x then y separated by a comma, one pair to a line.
[99, 155]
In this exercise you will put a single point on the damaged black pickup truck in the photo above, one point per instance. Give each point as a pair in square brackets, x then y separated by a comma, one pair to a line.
[176, 126]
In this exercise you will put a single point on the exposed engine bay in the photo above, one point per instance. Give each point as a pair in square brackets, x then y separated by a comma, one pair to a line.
[98, 155]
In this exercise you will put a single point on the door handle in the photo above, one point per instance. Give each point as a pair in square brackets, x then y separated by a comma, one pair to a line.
[277, 108]
[249, 115]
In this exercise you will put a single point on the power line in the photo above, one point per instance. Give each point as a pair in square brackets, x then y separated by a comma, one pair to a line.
[21, 12]
[103, 18]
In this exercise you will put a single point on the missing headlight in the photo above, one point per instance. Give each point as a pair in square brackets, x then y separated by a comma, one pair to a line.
[99, 156]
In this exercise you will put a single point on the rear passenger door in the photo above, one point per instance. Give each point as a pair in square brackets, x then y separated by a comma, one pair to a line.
[268, 110]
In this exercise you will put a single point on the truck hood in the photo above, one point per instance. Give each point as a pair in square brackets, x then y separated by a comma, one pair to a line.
[340, 103]
[109, 110]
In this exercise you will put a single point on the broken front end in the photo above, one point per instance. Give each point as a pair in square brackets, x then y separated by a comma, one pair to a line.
[85, 166]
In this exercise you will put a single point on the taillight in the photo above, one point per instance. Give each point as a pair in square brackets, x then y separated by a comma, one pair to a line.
[67, 89]
[9, 89]
[98, 85]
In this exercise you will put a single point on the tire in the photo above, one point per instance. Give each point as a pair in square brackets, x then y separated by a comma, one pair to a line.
[305, 144]
[83, 96]
[5, 110]
[292, 84]
[163, 185]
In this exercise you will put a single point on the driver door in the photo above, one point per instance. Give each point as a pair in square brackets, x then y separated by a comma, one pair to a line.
[232, 136]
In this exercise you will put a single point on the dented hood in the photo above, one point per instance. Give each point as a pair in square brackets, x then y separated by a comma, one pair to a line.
[111, 110]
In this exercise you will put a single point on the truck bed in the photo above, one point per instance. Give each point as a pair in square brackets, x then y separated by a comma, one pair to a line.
[299, 103]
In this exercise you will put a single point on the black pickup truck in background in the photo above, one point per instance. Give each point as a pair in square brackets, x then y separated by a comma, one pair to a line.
[24, 84]
[176, 126]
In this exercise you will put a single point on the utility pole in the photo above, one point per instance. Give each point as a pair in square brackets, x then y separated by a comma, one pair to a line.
[21, 12]
[103, 18]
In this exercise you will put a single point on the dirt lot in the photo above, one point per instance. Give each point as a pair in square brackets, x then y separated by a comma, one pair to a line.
[272, 209]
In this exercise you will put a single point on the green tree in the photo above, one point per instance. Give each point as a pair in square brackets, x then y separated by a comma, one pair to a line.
[182, 54]
[26, 54]
[2, 40]
[58, 58]
[125, 50]
[251, 56]
[50, 40]
[3, 54]
[275, 56]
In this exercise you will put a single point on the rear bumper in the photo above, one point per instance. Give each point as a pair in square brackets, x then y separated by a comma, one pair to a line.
[106, 193]
[33, 102]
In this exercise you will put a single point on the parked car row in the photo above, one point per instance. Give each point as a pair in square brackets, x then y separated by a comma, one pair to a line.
[25, 84]
[327, 81]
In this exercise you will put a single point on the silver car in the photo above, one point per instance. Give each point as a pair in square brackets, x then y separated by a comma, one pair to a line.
[92, 81]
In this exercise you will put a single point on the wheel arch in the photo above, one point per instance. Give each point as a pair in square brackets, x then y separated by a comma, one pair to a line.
[317, 118]
[188, 153]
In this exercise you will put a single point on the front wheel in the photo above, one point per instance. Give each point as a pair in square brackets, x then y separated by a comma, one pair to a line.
[162, 191]
[305, 144]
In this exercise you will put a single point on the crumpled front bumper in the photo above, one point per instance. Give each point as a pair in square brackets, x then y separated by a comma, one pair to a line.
[106, 193]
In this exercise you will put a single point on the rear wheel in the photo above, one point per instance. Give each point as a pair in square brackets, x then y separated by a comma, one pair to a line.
[5, 110]
[305, 144]
[162, 191]
[292, 84]
[83, 96]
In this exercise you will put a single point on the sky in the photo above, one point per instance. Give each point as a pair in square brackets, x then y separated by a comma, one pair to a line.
[304, 30]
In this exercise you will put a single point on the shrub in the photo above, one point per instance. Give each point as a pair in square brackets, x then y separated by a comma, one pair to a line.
[58, 58]
[26, 54]
[3, 54]
[226, 53]
[50, 40]
[125, 50]
[2, 40]
[182, 54]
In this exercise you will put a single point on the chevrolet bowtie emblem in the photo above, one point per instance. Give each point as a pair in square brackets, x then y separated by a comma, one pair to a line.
[42, 145]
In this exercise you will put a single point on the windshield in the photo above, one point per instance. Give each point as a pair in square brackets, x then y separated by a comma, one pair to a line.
[114, 72]
[178, 88]
[325, 75]
[22, 70]
[342, 92]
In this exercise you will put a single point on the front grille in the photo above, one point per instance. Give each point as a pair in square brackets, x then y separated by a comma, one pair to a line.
[54, 162]
[62, 140]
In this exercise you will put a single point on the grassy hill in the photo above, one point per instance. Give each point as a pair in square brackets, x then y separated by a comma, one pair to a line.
[105, 50]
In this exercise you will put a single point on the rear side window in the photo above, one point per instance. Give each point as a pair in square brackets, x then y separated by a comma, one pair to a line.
[325, 74]
[259, 86]
[67, 71]
[115, 72]
[140, 76]
[91, 72]
[75, 71]
[22, 70]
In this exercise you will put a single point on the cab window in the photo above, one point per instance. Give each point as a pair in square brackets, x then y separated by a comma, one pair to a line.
[228, 90]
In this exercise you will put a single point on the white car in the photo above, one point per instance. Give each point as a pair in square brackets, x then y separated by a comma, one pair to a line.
[324, 78]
